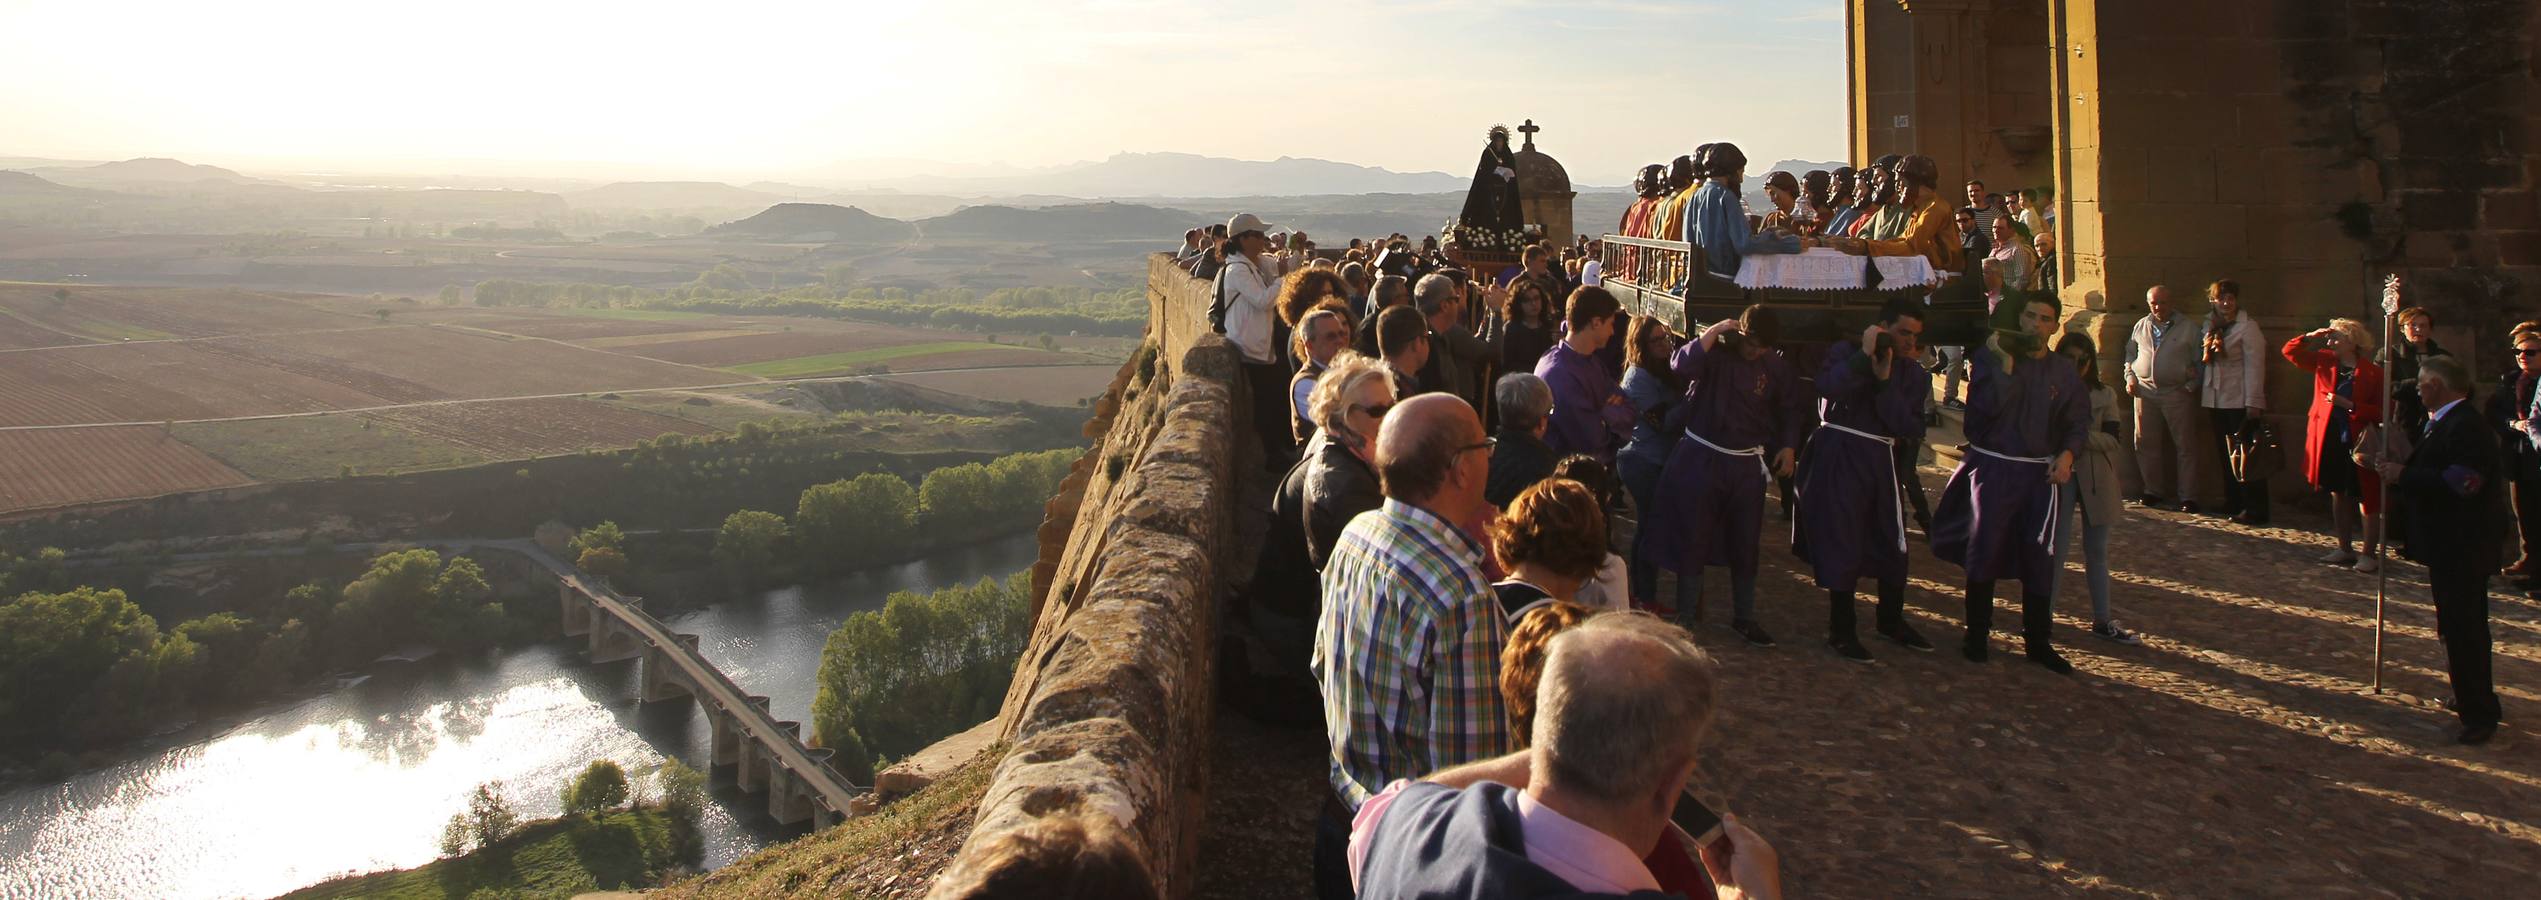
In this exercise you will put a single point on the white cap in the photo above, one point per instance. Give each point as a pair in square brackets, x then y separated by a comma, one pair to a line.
[1244, 222]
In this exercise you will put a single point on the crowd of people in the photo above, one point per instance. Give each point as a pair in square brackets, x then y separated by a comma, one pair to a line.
[1484, 475]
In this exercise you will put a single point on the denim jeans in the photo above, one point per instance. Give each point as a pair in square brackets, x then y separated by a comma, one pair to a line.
[2095, 551]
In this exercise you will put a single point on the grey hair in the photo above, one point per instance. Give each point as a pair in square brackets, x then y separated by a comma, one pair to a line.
[1624, 701]
[1523, 399]
[2454, 374]
[1385, 284]
[1329, 403]
[1433, 292]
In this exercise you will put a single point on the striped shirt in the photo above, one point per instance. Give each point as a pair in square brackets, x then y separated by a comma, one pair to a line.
[1407, 651]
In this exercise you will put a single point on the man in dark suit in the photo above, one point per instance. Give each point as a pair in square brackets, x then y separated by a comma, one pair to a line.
[2457, 521]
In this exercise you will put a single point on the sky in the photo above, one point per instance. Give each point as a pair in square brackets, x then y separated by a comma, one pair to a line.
[747, 89]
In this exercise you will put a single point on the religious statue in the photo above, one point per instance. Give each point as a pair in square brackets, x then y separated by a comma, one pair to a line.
[1492, 226]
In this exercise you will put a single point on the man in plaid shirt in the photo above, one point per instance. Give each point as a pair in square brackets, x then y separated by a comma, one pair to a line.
[1407, 649]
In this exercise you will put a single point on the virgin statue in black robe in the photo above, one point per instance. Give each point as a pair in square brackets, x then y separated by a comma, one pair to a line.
[1492, 212]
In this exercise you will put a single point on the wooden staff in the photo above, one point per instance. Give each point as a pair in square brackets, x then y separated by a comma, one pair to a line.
[2382, 486]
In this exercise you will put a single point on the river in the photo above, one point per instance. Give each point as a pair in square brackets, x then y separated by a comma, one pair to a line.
[362, 778]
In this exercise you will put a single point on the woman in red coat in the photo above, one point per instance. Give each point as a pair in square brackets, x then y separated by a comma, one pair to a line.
[2346, 399]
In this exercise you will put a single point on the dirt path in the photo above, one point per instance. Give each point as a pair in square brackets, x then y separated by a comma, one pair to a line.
[2235, 753]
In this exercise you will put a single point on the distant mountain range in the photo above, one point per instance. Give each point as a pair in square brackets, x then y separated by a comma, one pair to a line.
[144, 171]
[1146, 175]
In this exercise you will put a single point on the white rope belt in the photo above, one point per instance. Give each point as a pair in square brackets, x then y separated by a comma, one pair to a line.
[1757, 451]
[1893, 486]
[2047, 527]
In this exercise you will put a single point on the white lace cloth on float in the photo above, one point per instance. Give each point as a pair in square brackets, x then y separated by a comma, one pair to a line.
[1829, 269]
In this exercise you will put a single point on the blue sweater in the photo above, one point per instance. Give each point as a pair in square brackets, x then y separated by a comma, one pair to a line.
[1716, 221]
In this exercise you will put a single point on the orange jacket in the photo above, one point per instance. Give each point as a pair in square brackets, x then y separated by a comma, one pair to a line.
[1932, 233]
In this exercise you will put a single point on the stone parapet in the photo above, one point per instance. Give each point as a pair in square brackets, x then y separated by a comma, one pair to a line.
[1108, 716]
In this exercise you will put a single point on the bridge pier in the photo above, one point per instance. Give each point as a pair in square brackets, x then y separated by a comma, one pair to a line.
[613, 640]
[575, 609]
[727, 738]
[662, 678]
[756, 763]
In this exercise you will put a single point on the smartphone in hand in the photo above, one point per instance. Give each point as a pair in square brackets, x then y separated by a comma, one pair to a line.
[1697, 820]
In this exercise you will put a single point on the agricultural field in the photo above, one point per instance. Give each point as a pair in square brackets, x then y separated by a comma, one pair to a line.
[117, 392]
[513, 429]
[304, 447]
[1051, 386]
[56, 468]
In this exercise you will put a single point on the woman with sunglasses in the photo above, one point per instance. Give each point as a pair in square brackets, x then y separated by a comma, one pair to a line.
[2346, 398]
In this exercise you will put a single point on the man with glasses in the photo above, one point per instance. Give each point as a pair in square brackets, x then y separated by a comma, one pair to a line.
[1747, 415]
[1407, 646]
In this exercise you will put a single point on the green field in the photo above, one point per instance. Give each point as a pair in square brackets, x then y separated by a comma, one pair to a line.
[722, 410]
[640, 315]
[319, 447]
[839, 362]
[556, 858]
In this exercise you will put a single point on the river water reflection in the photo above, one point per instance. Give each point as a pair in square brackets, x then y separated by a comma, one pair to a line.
[362, 778]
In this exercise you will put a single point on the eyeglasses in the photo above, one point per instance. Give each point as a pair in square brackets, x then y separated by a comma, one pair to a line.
[1484, 444]
[2528, 351]
[1372, 410]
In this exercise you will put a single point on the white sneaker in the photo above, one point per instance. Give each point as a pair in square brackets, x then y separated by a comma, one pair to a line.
[2112, 631]
[2337, 558]
[2369, 565]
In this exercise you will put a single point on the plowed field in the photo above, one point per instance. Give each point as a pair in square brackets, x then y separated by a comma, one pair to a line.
[735, 350]
[113, 314]
[53, 468]
[522, 428]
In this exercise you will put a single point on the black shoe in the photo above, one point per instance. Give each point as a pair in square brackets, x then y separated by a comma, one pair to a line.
[1755, 634]
[1923, 523]
[2246, 519]
[2228, 511]
[1973, 648]
[1905, 636]
[2477, 734]
[1849, 648]
[2450, 706]
[1953, 404]
[2047, 656]
[2149, 500]
[2188, 506]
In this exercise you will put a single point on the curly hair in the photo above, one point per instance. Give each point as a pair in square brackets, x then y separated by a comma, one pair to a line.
[1522, 660]
[1303, 289]
[1557, 524]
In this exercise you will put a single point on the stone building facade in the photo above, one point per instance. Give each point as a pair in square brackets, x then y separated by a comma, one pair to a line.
[1544, 188]
[2304, 148]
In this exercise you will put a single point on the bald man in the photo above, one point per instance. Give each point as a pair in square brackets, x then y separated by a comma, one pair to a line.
[1407, 647]
[2161, 374]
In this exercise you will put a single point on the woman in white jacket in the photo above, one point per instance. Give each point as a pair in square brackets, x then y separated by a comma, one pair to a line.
[2235, 392]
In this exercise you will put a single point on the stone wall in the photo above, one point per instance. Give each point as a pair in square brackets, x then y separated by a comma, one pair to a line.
[1108, 716]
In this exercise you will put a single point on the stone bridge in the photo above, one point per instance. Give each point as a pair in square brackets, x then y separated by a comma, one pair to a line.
[768, 754]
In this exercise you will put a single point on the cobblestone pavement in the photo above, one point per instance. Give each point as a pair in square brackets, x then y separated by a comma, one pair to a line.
[2237, 752]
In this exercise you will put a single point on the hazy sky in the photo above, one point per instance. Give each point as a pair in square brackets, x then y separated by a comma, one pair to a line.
[758, 88]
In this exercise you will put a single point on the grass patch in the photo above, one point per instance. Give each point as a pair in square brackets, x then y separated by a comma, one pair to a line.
[549, 858]
[909, 841]
[835, 362]
[640, 315]
[105, 331]
[320, 447]
[722, 411]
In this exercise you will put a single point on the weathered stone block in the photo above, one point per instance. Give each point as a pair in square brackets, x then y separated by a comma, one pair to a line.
[2439, 210]
[2518, 210]
[2518, 248]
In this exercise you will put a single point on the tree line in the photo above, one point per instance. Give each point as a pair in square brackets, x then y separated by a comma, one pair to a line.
[83, 665]
[726, 289]
[924, 667]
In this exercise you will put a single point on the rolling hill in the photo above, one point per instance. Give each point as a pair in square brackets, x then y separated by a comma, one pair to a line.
[816, 222]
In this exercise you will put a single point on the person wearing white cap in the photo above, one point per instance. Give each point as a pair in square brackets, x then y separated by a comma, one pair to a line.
[1246, 288]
